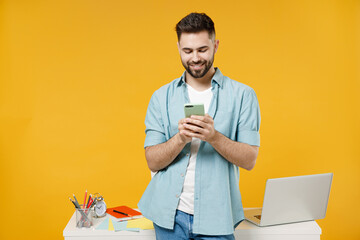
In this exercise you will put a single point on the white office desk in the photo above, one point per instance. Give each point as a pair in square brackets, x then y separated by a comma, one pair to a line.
[245, 231]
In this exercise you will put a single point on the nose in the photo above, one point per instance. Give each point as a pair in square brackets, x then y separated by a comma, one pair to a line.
[196, 57]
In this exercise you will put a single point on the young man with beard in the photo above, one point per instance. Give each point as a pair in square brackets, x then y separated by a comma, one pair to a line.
[195, 191]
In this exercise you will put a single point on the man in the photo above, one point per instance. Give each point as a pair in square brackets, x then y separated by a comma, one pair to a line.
[195, 191]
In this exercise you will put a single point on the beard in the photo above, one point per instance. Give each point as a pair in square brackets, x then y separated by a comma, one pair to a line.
[201, 72]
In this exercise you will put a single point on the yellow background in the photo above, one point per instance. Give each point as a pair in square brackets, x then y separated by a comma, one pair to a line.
[76, 78]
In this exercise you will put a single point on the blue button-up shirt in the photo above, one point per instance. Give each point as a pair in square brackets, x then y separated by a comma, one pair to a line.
[217, 200]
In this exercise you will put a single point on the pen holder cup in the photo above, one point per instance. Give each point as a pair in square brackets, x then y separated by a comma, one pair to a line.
[84, 217]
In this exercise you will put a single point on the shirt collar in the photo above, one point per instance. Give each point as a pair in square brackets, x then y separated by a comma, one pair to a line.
[217, 78]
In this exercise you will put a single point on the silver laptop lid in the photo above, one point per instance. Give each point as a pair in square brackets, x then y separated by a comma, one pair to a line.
[295, 199]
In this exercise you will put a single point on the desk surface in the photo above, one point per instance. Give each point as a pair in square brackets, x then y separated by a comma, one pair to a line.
[305, 230]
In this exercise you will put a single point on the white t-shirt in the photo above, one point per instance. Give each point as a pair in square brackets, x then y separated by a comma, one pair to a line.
[186, 203]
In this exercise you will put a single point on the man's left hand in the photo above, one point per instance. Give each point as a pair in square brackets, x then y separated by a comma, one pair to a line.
[201, 127]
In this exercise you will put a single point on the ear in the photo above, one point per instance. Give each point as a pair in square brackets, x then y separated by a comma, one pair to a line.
[216, 45]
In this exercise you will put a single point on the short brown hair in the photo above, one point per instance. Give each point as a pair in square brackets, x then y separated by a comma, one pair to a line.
[195, 22]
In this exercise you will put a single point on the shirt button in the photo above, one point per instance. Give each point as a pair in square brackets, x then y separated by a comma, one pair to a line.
[177, 195]
[182, 174]
[187, 154]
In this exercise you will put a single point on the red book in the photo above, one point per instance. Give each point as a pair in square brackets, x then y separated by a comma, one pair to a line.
[123, 213]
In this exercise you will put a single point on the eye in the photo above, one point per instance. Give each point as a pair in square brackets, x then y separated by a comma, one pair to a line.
[203, 50]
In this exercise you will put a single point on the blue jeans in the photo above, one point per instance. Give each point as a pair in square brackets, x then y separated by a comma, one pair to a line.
[183, 230]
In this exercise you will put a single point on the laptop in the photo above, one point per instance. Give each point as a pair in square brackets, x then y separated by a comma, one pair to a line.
[292, 199]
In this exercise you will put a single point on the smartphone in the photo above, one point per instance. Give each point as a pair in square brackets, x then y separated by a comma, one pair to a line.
[194, 109]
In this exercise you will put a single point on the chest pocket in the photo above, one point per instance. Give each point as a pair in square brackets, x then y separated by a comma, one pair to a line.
[224, 123]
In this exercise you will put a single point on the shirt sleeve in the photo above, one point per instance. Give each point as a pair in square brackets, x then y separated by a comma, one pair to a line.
[249, 121]
[155, 133]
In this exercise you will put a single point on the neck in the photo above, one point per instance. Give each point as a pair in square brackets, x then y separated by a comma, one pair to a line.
[200, 84]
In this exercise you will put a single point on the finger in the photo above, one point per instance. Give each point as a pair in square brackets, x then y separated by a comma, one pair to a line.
[207, 118]
[186, 133]
[182, 128]
[196, 122]
[193, 128]
[197, 135]
[201, 118]
[182, 121]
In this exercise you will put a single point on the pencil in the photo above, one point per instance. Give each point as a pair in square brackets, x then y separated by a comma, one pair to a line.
[84, 205]
[76, 202]
[72, 202]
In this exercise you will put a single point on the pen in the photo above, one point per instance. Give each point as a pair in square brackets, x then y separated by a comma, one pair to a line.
[122, 213]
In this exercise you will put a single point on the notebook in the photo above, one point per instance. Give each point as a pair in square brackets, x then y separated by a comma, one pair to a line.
[123, 213]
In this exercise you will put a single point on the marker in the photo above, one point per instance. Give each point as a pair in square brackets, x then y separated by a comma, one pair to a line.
[122, 213]
[84, 205]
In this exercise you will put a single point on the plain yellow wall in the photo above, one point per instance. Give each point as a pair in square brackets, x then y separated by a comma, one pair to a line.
[76, 78]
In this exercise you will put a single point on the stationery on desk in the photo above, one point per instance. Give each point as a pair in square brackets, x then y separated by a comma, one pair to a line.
[117, 218]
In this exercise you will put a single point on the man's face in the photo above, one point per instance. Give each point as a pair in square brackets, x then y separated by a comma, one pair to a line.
[197, 52]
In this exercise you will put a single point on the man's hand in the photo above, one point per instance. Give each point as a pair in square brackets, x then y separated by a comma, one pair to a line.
[201, 127]
[183, 133]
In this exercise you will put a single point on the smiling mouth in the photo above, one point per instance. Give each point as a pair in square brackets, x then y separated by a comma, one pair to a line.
[197, 66]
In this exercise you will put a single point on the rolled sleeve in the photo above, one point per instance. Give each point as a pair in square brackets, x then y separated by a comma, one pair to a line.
[249, 121]
[155, 133]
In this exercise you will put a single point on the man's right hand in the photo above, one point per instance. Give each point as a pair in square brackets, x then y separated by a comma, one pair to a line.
[184, 138]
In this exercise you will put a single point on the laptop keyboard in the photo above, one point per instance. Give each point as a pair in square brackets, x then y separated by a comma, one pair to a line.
[258, 217]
